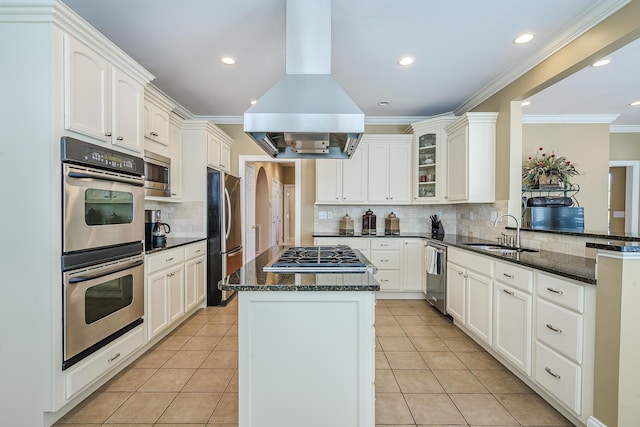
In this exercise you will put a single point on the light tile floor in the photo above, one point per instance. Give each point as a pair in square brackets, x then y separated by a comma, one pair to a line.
[428, 373]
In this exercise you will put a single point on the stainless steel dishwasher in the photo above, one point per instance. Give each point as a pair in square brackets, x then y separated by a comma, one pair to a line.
[436, 269]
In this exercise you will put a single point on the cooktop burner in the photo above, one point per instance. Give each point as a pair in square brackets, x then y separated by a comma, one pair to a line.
[318, 259]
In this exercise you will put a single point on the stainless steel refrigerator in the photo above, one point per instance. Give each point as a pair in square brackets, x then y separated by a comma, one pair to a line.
[224, 238]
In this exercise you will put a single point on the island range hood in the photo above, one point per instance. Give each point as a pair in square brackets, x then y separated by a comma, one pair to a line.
[306, 114]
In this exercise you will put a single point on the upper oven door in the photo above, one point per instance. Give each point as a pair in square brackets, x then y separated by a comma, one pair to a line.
[100, 208]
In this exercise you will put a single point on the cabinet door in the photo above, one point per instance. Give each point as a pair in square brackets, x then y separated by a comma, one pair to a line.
[458, 165]
[175, 153]
[190, 284]
[225, 157]
[456, 291]
[354, 176]
[512, 333]
[329, 180]
[175, 289]
[480, 307]
[213, 151]
[159, 128]
[399, 173]
[157, 316]
[414, 271]
[201, 279]
[378, 176]
[126, 110]
[86, 92]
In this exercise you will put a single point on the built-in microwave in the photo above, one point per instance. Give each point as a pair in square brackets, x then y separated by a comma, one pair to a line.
[157, 173]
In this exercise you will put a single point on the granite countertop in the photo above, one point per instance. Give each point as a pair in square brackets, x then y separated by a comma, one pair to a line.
[616, 246]
[251, 277]
[610, 235]
[174, 242]
[573, 267]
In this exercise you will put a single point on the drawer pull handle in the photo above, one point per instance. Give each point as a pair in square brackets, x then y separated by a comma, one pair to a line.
[199, 262]
[384, 245]
[460, 273]
[384, 260]
[507, 292]
[111, 359]
[198, 250]
[169, 259]
[555, 291]
[384, 280]
[510, 276]
[558, 330]
[553, 374]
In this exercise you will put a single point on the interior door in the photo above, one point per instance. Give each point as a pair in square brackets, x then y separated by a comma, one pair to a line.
[289, 214]
[249, 212]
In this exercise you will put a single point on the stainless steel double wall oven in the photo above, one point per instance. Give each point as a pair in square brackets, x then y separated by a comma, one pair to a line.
[102, 251]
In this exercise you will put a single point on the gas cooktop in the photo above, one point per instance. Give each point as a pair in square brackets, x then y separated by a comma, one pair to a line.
[319, 259]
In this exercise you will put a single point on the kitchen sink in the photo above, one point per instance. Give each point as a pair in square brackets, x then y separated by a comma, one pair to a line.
[498, 248]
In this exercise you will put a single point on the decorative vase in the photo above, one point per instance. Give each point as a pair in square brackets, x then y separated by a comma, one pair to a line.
[550, 182]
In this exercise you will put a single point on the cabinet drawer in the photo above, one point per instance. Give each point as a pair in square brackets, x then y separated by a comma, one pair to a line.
[512, 275]
[101, 362]
[164, 259]
[561, 292]
[389, 280]
[385, 243]
[360, 243]
[386, 260]
[478, 263]
[196, 249]
[559, 376]
[560, 329]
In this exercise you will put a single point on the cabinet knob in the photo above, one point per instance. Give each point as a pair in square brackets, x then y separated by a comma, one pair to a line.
[107, 134]
[120, 138]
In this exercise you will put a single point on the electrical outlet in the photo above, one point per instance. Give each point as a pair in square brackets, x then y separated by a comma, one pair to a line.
[322, 215]
[329, 215]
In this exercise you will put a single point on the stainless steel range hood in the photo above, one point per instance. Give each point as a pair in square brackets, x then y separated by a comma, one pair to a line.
[306, 114]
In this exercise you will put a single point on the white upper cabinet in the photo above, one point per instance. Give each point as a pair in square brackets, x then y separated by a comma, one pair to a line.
[389, 175]
[102, 101]
[87, 95]
[471, 152]
[218, 149]
[429, 159]
[342, 181]
[156, 121]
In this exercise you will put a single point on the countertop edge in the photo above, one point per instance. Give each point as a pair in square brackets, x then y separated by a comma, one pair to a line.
[175, 242]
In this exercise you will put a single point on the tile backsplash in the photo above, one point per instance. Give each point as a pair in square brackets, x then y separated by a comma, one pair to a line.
[186, 219]
[473, 220]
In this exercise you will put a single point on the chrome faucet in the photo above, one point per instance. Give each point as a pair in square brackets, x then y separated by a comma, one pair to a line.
[495, 224]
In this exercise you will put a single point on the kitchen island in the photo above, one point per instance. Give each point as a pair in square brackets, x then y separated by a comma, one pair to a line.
[306, 344]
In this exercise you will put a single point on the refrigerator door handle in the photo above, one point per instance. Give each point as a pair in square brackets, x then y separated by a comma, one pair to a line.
[228, 199]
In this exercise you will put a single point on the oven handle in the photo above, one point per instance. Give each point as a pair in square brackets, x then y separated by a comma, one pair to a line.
[107, 177]
[105, 272]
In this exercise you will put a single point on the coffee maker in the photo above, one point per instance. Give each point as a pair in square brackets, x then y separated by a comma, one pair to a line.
[155, 231]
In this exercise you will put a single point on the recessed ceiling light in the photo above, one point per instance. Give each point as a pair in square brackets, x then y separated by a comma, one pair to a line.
[253, 101]
[601, 62]
[383, 103]
[407, 60]
[635, 103]
[525, 103]
[228, 60]
[524, 38]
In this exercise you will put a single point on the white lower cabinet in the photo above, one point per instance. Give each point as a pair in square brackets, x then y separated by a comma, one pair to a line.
[559, 376]
[512, 326]
[174, 286]
[413, 262]
[386, 255]
[470, 292]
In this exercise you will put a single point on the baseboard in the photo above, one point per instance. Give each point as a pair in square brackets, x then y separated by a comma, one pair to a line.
[593, 422]
[400, 295]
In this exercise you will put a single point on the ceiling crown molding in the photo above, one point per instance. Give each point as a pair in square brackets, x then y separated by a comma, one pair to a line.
[568, 118]
[624, 129]
[582, 24]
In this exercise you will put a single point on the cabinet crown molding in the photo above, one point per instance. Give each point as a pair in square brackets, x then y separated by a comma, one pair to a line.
[472, 118]
[382, 137]
[156, 96]
[205, 125]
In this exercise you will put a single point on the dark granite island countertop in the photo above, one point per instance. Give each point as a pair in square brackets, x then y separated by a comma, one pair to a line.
[251, 277]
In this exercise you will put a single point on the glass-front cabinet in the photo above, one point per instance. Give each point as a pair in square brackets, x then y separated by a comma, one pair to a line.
[429, 160]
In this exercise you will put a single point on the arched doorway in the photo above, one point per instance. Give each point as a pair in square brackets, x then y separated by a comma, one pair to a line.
[263, 211]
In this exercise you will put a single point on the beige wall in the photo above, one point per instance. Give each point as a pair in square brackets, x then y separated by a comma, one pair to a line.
[624, 146]
[608, 36]
[587, 147]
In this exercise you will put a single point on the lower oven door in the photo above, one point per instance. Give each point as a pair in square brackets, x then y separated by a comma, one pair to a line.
[99, 303]
[101, 208]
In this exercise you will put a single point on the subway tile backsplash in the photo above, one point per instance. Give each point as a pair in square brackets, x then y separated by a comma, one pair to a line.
[473, 220]
[186, 219]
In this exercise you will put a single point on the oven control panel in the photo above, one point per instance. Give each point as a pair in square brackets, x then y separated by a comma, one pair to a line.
[80, 152]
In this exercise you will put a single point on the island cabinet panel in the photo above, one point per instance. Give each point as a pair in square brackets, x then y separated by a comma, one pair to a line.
[306, 359]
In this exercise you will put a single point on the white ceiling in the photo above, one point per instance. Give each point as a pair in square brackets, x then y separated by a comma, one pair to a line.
[463, 50]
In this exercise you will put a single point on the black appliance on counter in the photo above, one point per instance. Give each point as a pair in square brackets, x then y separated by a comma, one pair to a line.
[155, 231]
[553, 213]
[224, 239]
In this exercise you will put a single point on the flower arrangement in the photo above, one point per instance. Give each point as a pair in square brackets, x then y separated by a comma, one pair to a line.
[541, 169]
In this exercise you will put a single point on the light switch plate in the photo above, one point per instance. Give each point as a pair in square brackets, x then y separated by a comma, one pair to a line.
[322, 215]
